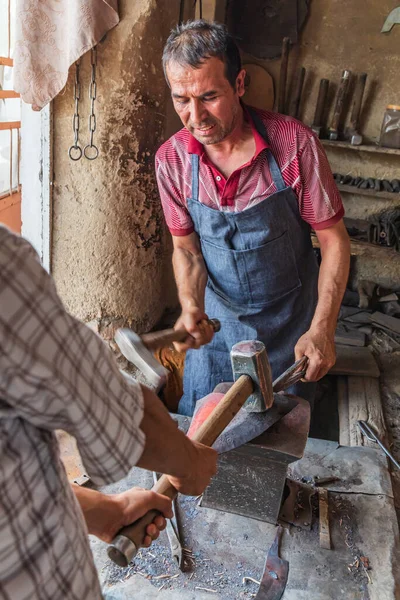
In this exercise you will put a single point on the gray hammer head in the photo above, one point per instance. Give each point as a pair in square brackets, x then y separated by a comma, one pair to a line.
[135, 351]
[356, 139]
[250, 358]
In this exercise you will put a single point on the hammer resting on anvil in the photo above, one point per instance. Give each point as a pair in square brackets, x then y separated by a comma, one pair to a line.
[252, 387]
[138, 350]
[256, 386]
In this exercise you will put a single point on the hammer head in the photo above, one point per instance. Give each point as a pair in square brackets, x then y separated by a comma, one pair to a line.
[135, 351]
[317, 130]
[250, 358]
[356, 139]
[333, 134]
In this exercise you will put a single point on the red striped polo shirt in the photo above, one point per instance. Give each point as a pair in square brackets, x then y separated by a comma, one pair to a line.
[298, 152]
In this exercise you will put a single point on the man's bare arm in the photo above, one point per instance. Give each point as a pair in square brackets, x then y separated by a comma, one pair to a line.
[189, 465]
[106, 514]
[191, 279]
[318, 343]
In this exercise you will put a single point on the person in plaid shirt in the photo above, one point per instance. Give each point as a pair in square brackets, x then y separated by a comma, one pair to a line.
[55, 373]
[240, 189]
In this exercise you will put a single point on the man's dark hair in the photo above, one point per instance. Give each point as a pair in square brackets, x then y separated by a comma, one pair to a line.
[194, 42]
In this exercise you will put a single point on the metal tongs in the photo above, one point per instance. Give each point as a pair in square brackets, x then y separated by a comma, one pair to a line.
[291, 376]
[173, 534]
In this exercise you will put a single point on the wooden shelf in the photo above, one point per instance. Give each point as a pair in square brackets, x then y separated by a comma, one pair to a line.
[362, 148]
[7, 125]
[359, 248]
[6, 61]
[352, 189]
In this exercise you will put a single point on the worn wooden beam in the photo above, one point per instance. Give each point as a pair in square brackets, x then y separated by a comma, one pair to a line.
[350, 338]
[324, 529]
[364, 401]
[355, 361]
[343, 410]
[386, 322]
[359, 248]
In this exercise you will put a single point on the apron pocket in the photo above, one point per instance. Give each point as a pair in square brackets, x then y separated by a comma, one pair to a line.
[258, 277]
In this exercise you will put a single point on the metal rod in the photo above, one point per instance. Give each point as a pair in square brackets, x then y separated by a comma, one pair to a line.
[372, 437]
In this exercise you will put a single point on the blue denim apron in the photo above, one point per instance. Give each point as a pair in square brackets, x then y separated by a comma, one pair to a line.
[262, 283]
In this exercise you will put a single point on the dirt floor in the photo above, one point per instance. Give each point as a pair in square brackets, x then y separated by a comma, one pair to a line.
[390, 390]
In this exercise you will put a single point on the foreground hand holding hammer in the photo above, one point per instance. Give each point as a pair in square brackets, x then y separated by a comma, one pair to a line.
[55, 373]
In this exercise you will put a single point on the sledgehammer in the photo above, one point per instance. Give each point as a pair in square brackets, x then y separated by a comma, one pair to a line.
[138, 349]
[254, 386]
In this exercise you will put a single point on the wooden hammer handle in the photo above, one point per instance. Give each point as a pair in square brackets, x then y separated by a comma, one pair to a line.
[161, 339]
[220, 417]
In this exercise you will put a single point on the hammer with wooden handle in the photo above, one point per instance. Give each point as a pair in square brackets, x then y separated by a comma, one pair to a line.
[322, 94]
[254, 385]
[138, 349]
[340, 100]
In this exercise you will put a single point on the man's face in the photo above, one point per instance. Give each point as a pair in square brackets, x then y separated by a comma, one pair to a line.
[204, 99]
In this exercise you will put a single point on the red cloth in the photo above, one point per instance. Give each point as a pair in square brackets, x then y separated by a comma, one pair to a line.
[300, 157]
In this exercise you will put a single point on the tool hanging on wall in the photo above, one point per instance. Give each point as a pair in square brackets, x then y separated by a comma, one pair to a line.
[90, 151]
[294, 104]
[340, 101]
[75, 151]
[319, 109]
[353, 135]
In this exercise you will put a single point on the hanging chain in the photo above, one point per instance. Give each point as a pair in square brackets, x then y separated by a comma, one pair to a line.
[91, 151]
[75, 151]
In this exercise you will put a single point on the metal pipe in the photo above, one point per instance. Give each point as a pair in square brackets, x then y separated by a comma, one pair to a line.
[372, 437]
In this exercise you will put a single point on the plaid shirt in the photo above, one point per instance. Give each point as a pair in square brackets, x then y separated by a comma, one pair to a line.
[55, 373]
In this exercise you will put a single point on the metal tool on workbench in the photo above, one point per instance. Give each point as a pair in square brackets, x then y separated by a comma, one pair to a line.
[338, 111]
[138, 349]
[353, 133]
[256, 385]
[372, 437]
[319, 109]
[172, 530]
[276, 571]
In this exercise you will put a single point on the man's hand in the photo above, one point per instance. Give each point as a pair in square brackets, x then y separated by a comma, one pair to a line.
[203, 466]
[105, 514]
[200, 332]
[319, 347]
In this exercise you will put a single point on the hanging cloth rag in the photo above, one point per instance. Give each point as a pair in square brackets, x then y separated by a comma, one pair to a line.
[50, 36]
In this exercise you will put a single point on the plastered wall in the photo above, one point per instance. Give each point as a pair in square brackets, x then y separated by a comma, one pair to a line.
[111, 251]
